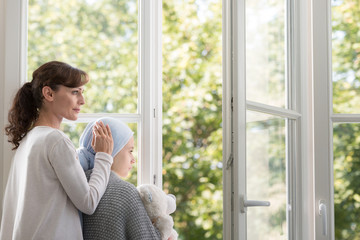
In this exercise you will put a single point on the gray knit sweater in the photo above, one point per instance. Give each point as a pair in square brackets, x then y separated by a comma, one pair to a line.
[119, 215]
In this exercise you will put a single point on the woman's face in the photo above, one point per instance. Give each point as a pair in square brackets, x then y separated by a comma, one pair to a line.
[124, 160]
[67, 102]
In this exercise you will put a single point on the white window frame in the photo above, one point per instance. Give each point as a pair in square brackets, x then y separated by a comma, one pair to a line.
[150, 73]
[303, 225]
[324, 118]
[322, 83]
[13, 55]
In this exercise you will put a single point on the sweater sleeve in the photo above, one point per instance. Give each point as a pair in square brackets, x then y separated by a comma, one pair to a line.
[84, 195]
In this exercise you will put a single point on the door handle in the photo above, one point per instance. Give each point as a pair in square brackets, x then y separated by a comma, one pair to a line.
[251, 203]
[323, 214]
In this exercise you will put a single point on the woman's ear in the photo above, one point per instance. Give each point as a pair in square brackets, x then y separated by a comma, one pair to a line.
[48, 93]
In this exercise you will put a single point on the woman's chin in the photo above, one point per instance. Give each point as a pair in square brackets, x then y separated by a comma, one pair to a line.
[72, 118]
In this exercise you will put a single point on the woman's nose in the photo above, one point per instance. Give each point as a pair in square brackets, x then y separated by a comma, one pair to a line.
[82, 99]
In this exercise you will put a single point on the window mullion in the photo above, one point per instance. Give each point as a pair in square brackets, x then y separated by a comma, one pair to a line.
[150, 97]
[126, 117]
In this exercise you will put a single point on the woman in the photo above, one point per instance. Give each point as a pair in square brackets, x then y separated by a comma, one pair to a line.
[120, 213]
[46, 183]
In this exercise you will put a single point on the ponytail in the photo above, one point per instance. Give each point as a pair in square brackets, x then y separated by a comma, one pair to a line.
[22, 115]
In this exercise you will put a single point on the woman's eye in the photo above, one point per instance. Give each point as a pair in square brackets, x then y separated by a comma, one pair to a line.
[75, 92]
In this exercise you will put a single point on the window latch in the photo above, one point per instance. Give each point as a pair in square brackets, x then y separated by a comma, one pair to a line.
[229, 161]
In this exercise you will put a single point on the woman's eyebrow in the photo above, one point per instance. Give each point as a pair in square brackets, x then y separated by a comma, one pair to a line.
[81, 89]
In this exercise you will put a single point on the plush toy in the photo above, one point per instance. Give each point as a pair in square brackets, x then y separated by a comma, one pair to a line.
[159, 206]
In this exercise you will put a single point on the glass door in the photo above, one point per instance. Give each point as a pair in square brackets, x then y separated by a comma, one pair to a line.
[268, 161]
[266, 181]
[264, 121]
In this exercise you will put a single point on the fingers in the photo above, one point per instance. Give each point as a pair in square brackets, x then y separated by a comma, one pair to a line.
[95, 133]
[102, 138]
[100, 128]
[93, 137]
[108, 131]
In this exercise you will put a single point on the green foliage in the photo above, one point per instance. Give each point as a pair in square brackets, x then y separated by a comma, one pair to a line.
[346, 181]
[346, 56]
[346, 99]
[192, 133]
[99, 37]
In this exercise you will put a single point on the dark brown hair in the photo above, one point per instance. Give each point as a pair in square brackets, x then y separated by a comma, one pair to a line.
[28, 100]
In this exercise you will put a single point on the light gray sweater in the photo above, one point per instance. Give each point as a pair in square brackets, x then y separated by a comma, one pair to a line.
[119, 215]
[47, 186]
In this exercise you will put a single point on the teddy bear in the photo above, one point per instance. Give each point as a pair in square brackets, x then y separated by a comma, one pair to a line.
[159, 206]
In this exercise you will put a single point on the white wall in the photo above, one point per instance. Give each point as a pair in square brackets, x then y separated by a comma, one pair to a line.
[2, 76]
[10, 78]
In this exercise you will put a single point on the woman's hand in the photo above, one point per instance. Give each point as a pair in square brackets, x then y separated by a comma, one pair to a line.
[102, 140]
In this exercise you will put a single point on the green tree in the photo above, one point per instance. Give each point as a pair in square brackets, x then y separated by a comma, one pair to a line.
[192, 98]
[346, 89]
[99, 37]
[346, 57]
[346, 181]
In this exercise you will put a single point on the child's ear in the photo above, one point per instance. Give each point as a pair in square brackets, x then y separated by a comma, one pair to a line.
[48, 93]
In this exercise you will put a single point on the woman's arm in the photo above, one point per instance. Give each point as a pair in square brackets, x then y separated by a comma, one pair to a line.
[85, 196]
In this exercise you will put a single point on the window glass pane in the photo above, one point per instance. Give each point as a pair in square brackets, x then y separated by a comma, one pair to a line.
[74, 130]
[192, 113]
[100, 37]
[265, 52]
[346, 140]
[346, 56]
[266, 176]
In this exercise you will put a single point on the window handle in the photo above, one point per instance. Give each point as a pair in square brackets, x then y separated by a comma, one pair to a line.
[256, 203]
[252, 203]
[323, 214]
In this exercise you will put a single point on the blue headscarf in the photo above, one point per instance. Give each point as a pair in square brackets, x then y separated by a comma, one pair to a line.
[120, 132]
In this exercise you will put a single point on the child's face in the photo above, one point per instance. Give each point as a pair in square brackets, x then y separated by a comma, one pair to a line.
[124, 160]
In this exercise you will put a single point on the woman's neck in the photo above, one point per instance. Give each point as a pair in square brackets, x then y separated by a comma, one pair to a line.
[48, 120]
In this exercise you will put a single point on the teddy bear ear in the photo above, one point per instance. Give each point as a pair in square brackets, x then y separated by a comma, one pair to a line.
[149, 196]
[145, 193]
[171, 203]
